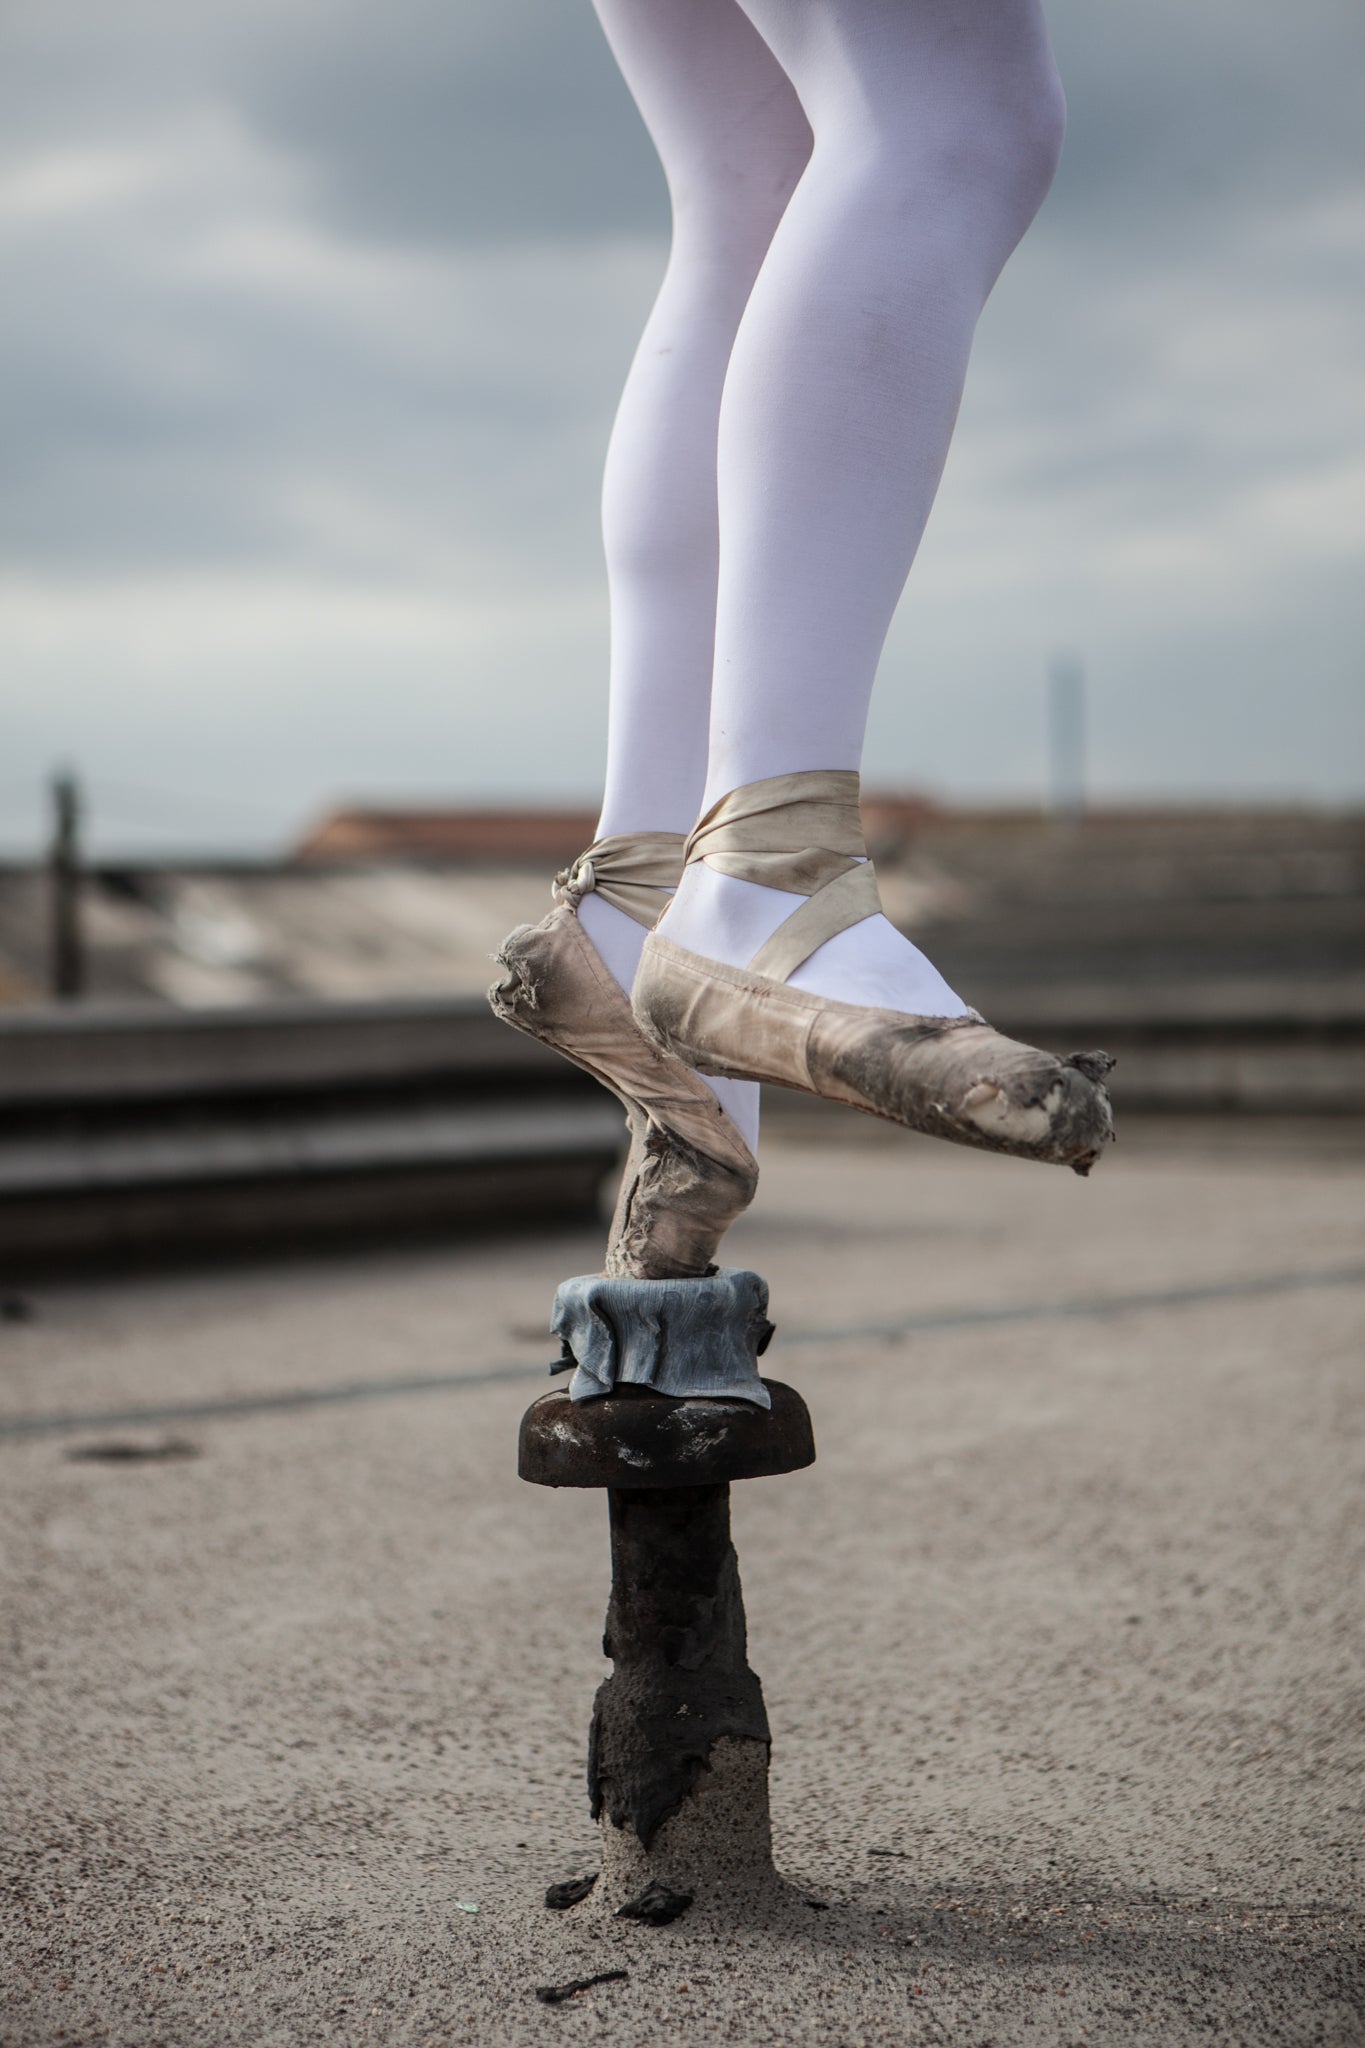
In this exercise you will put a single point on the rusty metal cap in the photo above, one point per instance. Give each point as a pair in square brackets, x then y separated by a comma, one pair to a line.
[635, 1439]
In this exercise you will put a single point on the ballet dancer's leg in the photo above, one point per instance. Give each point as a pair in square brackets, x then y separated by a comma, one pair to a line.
[937, 128]
[733, 141]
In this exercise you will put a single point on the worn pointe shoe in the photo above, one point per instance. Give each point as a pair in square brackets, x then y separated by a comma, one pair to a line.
[689, 1172]
[951, 1077]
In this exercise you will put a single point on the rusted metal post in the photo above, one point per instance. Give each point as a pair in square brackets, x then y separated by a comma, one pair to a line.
[676, 1636]
[678, 1751]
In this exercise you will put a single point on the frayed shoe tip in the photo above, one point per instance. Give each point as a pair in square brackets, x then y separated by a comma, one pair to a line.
[1094, 1065]
[518, 988]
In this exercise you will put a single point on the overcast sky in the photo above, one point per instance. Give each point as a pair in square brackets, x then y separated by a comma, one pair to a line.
[312, 319]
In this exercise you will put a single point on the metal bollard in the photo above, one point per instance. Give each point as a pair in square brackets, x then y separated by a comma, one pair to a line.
[679, 1745]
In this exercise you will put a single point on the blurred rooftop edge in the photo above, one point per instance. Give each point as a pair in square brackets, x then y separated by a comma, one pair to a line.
[301, 1045]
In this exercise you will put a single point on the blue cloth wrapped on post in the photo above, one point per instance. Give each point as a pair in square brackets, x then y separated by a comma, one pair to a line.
[697, 1338]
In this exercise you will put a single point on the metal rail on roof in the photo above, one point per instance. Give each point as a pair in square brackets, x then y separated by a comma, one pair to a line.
[132, 1129]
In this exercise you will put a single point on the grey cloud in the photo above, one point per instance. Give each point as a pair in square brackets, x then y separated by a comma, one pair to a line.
[161, 412]
[1183, 119]
[156, 416]
[439, 122]
[423, 121]
[428, 413]
[447, 129]
[456, 124]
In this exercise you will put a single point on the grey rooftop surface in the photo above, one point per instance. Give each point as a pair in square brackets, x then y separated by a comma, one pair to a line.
[1060, 1636]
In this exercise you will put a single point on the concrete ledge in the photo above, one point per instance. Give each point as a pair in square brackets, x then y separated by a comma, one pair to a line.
[195, 1202]
[126, 1127]
[55, 1053]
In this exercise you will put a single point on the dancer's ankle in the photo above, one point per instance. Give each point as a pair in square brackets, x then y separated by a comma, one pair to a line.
[616, 938]
[727, 919]
[722, 917]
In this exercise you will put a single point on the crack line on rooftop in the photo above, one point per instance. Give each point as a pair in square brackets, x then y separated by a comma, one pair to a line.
[929, 1323]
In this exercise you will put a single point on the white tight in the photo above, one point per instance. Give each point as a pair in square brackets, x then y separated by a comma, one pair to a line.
[787, 417]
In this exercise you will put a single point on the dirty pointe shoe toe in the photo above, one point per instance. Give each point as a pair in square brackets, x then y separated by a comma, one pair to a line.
[952, 1077]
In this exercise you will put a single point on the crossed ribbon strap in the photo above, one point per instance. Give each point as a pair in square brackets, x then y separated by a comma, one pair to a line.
[633, 871]
[803, 834]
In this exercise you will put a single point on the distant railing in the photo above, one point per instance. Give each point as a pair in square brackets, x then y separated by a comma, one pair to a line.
[127, 1128]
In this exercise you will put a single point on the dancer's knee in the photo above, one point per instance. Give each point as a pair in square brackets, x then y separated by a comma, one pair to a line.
[732, 200]
[1022, 139]
[987, 154]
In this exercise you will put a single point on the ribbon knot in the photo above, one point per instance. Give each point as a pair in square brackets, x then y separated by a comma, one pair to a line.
[575, 882]
[633, 871]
